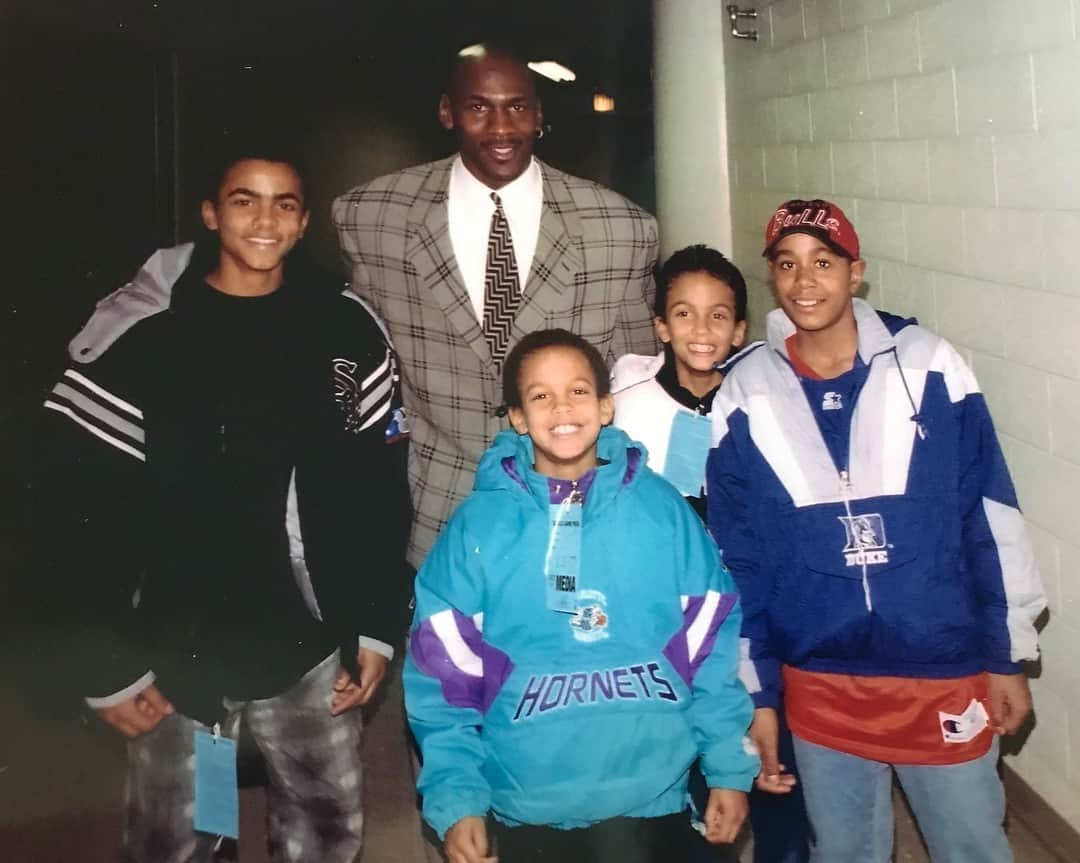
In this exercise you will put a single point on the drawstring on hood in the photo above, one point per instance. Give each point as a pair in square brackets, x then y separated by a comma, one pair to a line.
[916, 417]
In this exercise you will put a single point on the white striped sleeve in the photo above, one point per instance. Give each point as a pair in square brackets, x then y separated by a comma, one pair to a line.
[103, 413]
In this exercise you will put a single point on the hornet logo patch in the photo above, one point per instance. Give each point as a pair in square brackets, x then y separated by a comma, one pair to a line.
[589, 621]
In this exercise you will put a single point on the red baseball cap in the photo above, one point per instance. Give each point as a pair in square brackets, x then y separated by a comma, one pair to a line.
[821, 219]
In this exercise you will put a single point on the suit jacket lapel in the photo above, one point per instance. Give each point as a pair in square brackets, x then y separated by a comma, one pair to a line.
[431, 253]
[558, 258]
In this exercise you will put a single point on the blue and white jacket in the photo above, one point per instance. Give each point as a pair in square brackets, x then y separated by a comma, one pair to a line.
[566, 719]
[887, 544]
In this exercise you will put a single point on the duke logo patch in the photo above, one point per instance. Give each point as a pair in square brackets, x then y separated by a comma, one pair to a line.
[866, 542]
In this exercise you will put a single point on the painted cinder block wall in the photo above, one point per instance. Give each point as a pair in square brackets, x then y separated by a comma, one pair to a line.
[950, 133]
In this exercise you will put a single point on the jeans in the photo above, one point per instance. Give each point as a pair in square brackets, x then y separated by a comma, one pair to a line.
[960, 808]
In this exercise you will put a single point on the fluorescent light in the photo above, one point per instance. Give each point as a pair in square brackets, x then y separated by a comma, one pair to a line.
[554, 71]
[602, 103]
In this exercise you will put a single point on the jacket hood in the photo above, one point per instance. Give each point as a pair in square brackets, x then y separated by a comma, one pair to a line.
[146, 294]
[633, 369]
[507, 466]
[876, 329]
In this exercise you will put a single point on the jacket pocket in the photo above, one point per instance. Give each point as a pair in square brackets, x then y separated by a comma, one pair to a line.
[881, 534]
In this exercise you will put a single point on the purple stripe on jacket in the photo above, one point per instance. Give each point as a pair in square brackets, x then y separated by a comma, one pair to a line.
[677, 650]
[633, 462]
[512, 471]
[459, 688]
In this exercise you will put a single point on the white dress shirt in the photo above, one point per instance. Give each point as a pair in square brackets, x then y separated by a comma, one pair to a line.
[469, 208]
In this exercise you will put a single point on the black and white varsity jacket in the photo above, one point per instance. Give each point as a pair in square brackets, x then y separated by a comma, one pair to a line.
[227, 489]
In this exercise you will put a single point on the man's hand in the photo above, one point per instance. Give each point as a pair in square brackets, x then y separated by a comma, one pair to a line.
[348, 693]
[1009, 701]
[765, 732]
[139, 714]
[724, 814]
[467, 842]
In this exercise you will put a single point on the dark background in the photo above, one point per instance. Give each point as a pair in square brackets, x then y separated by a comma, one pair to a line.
[112, 106]
[109, 111]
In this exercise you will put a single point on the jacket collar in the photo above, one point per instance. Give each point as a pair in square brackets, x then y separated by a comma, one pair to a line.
[668, 378]
[507, 465]
[874, 337]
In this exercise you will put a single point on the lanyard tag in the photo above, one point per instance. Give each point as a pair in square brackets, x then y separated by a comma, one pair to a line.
[562, 567]
[688, 449]
[217, 802]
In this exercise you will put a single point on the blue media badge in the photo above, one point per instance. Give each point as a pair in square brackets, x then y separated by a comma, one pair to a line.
[217, 801]
[562, 566]
[688, 449]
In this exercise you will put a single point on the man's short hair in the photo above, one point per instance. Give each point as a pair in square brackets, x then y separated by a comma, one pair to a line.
[699, 259]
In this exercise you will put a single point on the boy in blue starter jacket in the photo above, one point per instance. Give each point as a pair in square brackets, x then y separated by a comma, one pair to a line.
[574, 647]
[862, 501]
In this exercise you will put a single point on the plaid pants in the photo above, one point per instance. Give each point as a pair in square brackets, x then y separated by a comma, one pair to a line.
[313, 761]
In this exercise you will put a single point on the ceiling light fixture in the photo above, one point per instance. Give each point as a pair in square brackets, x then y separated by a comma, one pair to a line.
[552, 70]
[602, 103]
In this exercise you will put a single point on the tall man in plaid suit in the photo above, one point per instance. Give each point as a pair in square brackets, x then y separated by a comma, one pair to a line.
[421, 253]
[406, 238]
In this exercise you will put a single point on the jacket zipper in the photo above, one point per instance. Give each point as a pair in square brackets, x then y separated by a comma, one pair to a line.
[845, 493]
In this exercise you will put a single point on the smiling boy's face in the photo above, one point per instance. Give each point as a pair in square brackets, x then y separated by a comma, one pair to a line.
[259, 214]
[700, 325]
[561, 411]
[814, 284]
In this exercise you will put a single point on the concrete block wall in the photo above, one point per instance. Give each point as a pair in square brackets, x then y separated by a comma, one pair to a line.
[949, 130]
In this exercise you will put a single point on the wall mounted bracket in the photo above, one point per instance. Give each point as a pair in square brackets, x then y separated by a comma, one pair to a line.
[735, 13]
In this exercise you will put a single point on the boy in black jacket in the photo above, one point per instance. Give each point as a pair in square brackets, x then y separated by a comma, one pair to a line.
[229, 478]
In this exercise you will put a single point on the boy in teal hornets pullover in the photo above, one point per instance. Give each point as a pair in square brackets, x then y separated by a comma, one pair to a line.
[574, 647]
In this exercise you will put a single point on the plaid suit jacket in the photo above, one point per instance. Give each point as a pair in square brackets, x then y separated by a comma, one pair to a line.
[592, 274]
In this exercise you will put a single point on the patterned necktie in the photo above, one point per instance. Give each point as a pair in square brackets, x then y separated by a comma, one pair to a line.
[501, 291]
